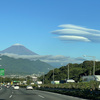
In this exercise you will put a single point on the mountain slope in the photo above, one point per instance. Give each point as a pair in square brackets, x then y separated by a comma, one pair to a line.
[23, 66]
[76, 71]
[18, 49]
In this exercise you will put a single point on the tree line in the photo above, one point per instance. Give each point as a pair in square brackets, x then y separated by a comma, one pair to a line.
[76, 71]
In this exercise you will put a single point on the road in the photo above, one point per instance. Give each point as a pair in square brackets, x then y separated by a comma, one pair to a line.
[23, 94]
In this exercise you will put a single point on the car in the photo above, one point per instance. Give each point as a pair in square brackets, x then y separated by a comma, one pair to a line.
[29, 87]
[0, 87]
[8, 86]
[70, 81]
[16, 87]
[12, 86]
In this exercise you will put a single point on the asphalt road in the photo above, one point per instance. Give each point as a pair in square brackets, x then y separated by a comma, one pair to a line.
[23, 94]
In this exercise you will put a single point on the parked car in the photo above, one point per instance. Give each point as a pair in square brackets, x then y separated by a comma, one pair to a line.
[29, 87]
[16, 87]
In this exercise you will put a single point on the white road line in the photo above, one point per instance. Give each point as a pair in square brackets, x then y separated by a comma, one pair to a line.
[41, 96]
[10, 96]
[51, 93]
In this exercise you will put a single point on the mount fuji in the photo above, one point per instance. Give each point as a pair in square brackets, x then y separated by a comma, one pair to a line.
[18, 49]
[21, 65]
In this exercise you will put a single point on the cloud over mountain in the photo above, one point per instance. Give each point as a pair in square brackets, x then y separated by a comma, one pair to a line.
[58, 59]
[77, 33]
[19, 51]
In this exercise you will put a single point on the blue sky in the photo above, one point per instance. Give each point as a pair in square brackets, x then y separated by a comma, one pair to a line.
[61, 28]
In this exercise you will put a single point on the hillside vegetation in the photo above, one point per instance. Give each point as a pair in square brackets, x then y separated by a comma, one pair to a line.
[23, 66]
[76, 71]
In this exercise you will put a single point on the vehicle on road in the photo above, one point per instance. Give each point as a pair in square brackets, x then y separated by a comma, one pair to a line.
[55, 82]
[91, 78]
[38, 82]
[70, 81]
[0, 87]
[16, 87]
[29, 87]
[8, 86]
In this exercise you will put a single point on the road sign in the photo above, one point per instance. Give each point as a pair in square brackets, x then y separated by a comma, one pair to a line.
[2, 72]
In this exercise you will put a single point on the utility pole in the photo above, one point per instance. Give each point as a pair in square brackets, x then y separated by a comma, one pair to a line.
[43, 77]
[0, 66]
[93, 63]
[68, 71]
[53, 75]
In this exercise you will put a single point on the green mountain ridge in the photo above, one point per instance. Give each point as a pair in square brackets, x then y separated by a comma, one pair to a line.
[23, 66]
[76, 71]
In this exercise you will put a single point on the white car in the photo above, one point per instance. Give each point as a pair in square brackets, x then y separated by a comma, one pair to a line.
[70, 80]
[8, 86]
[29, 87]
[16, 87]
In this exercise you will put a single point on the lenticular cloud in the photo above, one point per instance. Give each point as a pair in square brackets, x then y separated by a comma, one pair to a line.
[76, 33]
[74, 38]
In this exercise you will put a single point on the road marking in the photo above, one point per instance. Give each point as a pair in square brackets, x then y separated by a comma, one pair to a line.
[10, 96]
[51, 93]
[41, 96]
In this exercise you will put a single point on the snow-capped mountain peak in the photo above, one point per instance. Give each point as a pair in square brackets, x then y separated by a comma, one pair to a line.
[18, 49]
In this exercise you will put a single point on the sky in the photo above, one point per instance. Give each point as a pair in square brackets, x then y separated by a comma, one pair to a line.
[64, 30]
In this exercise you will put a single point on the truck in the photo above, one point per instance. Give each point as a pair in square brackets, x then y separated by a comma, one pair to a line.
[38, 82]
[91, 78]
[67, 81]
[55, 82]
[70, 81]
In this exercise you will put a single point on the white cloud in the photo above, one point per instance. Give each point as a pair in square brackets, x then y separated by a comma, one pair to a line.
[70, 26]
[74, 38]
[70, 31]
[73, 32]
[58, 59]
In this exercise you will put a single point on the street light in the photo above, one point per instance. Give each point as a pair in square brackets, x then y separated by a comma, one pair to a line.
[93, 63]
